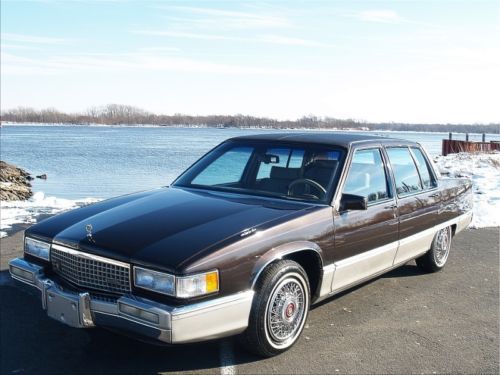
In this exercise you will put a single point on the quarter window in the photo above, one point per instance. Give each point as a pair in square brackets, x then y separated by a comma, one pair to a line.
[367, 176]
[405, 171]
[424, 168]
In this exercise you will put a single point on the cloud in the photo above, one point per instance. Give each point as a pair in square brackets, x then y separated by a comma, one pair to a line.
[19, 47]
[21, 38]
[159, 49]
[233, 19]
[268, 39]
[381, 16]
[276, 39]
[139, 61]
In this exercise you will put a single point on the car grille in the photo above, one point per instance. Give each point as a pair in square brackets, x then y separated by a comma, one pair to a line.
[90, 271]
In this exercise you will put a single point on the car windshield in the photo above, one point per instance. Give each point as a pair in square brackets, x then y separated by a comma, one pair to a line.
[288, 171]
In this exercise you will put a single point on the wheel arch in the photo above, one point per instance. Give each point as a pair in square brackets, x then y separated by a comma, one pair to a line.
[308, 254]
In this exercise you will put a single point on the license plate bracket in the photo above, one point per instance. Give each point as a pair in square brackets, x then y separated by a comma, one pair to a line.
[63, 308]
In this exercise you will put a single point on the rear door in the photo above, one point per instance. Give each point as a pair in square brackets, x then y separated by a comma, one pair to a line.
[418, 200]
[365, 241]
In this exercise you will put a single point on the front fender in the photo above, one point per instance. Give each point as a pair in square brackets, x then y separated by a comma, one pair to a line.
[280, 252]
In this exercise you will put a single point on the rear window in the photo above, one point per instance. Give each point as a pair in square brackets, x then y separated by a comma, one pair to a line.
[405, 171]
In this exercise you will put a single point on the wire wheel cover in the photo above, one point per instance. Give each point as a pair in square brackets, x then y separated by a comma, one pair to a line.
[442, 246]
[286, 310]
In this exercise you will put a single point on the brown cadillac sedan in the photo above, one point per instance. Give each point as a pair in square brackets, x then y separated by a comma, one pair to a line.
[246, 239]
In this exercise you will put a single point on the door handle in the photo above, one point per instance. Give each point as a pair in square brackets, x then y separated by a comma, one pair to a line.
[393, 206]
[435, 195]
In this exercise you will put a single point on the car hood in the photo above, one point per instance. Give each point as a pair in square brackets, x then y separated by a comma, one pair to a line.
[163, 228]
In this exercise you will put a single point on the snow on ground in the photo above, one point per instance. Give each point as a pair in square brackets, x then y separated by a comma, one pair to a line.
[484, 170]
[18, 212]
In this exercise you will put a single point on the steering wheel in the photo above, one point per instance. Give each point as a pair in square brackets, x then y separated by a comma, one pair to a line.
[307, 182]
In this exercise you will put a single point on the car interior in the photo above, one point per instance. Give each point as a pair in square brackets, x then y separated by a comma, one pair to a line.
[311, 180]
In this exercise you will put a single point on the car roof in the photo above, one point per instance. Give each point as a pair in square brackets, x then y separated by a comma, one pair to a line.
[342, 139]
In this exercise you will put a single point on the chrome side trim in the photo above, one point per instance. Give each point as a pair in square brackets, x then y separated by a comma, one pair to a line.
[90, 256]
[327, 280]
[415, 245]
[463, 222]
[357, 269]
[361, 266]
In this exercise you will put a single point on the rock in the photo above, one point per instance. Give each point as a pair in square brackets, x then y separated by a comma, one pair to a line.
[42, 176]
[14, 183]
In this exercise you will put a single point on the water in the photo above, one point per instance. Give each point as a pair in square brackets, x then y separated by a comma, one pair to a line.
[101, 162]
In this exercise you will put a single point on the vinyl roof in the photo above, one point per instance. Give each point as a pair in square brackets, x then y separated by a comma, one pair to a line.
[343, 139]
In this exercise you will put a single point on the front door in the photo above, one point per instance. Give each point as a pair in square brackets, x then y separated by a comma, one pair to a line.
[366, 241]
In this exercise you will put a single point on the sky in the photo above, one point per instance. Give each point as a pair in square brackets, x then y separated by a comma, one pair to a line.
[401, 61]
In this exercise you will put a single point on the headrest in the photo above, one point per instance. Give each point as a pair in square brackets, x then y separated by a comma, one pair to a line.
[285, 173]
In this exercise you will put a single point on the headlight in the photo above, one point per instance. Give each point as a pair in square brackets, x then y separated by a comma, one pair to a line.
[181, 287]
[37, 248]
[153, 280]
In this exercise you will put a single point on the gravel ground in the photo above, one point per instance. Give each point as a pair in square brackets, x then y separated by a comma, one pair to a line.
[403, 322]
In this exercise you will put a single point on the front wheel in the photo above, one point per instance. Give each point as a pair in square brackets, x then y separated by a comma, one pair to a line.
[279, 310]
[435, 259]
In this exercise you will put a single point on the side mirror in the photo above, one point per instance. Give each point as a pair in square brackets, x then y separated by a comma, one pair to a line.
[353, 202]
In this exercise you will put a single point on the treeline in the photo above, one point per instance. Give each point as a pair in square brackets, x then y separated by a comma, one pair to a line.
[116, 114]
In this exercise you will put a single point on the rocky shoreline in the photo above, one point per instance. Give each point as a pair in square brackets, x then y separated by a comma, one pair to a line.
[14, 183]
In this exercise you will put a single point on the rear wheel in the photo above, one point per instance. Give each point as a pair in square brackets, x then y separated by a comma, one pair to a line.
[435, 259]
[279, 310]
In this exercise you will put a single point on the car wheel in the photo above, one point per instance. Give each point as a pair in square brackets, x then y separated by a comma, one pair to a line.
[435, 259]
[279, 309]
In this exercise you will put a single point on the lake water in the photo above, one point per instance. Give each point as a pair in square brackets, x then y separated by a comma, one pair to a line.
[101, 162]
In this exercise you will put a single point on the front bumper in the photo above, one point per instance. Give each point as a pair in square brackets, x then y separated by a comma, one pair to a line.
[134, 315]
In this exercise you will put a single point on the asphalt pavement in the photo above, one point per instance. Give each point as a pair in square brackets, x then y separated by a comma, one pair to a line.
[403, 322]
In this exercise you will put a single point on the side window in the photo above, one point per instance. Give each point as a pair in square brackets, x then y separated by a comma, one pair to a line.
[367, 176]
[227, 169]
[405, 170]
[424, 168]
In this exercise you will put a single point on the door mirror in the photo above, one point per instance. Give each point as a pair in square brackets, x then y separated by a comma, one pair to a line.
[353, 202]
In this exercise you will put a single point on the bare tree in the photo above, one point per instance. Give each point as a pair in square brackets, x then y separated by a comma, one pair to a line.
[115, 114]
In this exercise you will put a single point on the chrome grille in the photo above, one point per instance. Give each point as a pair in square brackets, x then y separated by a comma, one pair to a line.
[90, 271]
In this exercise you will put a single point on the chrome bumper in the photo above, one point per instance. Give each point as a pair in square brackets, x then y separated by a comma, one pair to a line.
[201, 321]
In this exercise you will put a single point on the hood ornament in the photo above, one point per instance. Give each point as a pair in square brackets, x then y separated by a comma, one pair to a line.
[89, 229]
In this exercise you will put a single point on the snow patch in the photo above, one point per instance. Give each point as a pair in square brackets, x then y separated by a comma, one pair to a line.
[484, 171]
[25, 212]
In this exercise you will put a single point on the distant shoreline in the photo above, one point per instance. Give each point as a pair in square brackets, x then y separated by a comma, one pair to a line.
[263, 128]
[123, 115]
